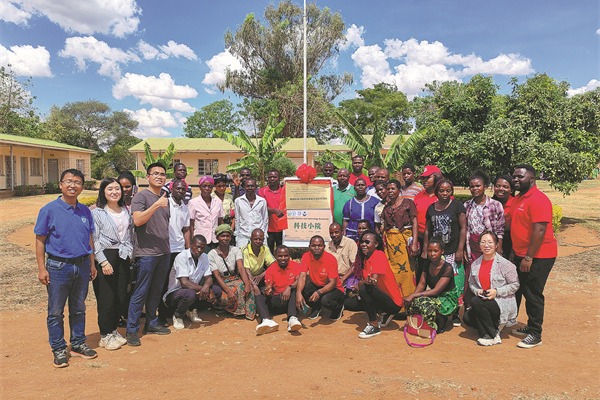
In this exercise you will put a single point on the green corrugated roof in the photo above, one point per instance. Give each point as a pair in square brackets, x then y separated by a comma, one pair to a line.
[212, 144]
[28, 141]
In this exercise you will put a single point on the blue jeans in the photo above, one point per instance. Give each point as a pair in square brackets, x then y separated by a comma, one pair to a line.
[67, 281]
[151, 272]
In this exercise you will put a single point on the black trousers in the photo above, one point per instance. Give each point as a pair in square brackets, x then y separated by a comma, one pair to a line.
[332, 300]
[274, 239]
[483, 315]
[532, 288]
[182, 300]
[374, 300]
[111, 291]
[267, 306]
[353, 303]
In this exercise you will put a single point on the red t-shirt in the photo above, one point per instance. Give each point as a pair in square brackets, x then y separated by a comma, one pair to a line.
[508, 211]
[352, 178]
[322, 269]
[279, 278]
[485, 274]
[533, 206]
[379, 264]
[273, 198]
[422, 202]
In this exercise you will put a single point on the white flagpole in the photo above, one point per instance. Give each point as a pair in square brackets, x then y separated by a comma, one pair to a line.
[304, 81]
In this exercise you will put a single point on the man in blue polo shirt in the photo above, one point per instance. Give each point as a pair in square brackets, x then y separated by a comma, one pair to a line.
[63, 231]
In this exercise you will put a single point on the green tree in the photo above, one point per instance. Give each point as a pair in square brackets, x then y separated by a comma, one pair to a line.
[271, 54]
[17, 114]
[261, 153]
[382, 103]
[217, 116]
[165, 159]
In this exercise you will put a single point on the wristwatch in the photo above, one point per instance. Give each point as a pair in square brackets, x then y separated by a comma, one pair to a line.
[527, 258]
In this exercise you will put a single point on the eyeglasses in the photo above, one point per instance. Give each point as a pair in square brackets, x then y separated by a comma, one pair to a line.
[70, 182]
[365, 241]
[158, 174]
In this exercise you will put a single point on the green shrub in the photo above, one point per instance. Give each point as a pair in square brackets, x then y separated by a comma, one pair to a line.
[463, 197]
[87, 200]
[51, 188]
[28, 190]
[90, 185]
[557, 214]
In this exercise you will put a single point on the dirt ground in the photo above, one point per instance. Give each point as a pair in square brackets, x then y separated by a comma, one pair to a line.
[223, 358]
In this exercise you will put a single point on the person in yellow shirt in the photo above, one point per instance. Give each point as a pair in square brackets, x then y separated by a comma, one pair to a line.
[256, 257]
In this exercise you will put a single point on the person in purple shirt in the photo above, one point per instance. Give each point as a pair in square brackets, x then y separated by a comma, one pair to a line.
[63, 232]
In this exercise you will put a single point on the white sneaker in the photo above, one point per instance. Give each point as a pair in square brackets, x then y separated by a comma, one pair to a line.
[294, 324]
[178, 323]
[497, 339]
[485, 341]
[267, 326]
[109, 342]
[118, 338]
[193, 316]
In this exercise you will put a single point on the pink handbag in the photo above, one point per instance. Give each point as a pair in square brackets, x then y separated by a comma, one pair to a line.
[416, 326]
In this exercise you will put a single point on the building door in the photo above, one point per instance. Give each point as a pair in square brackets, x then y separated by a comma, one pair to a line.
[53, 170]
[9, 173]
[24, 171]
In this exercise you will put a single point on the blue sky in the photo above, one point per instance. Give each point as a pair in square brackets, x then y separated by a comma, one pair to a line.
[161, 60]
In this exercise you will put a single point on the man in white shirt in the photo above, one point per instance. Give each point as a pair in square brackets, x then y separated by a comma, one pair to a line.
[189, 283]
[250, 213]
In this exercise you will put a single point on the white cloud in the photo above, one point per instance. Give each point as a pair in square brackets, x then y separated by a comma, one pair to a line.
[89, 49]
[12, 13]
[178, 50]
[148, 51]
[160, 92]
[152, 123]
[591, 85]
[26, 60]
[598, 31]
[219, 64]
[112, 17]
[353, 37]
[417, 63]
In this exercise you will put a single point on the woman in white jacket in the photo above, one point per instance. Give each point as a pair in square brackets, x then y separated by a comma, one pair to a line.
[494, 281]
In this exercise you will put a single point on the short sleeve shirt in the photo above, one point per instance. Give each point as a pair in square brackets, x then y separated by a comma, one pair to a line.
[445, 272]
[534, 206]
[185, 267]
[152, 238]
[340, 198]
[273, 198]
[227, 266]
[422, 202]
[255, 263]
[67, 228]
[444, 224]
[180, 218]
[386, 282]
[206, 219]
[279, 278]
[345, 253]
[321, 270]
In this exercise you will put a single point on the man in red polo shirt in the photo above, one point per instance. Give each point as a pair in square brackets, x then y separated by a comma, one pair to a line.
[272, 194]
[535, 249]
[281, 281]
[358, 163]
[323, 287]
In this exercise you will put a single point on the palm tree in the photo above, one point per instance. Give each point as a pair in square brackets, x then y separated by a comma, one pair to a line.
[165, 159]
[260, 152]
[397, 155]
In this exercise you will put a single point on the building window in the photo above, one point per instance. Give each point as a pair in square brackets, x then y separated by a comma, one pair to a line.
[208, 167]
[35, 166]
[175, 161]
[80, 165]
[1, 165]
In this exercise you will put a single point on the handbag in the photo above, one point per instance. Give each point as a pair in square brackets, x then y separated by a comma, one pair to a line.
[417, 326]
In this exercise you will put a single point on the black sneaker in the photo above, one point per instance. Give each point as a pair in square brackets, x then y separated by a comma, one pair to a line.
[456, 320]
[529, 342]
[133, 339]
[386, 319]
[369, 332]
[157, 330]
[314, 314]
[337, 313]
[61, 358]
[83, 351]
[522, 331]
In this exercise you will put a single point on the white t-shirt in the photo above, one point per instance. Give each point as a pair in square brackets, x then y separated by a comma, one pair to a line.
[218, 264]
[184, 267]
[180, 218]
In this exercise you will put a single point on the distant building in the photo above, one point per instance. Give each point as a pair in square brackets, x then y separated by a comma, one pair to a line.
[29, 161]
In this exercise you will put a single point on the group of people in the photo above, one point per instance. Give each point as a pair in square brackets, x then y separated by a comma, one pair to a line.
[394, 248]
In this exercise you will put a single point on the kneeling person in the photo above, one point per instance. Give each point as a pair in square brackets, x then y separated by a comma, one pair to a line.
[281, 281]
[323, 287]
[189, 283]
